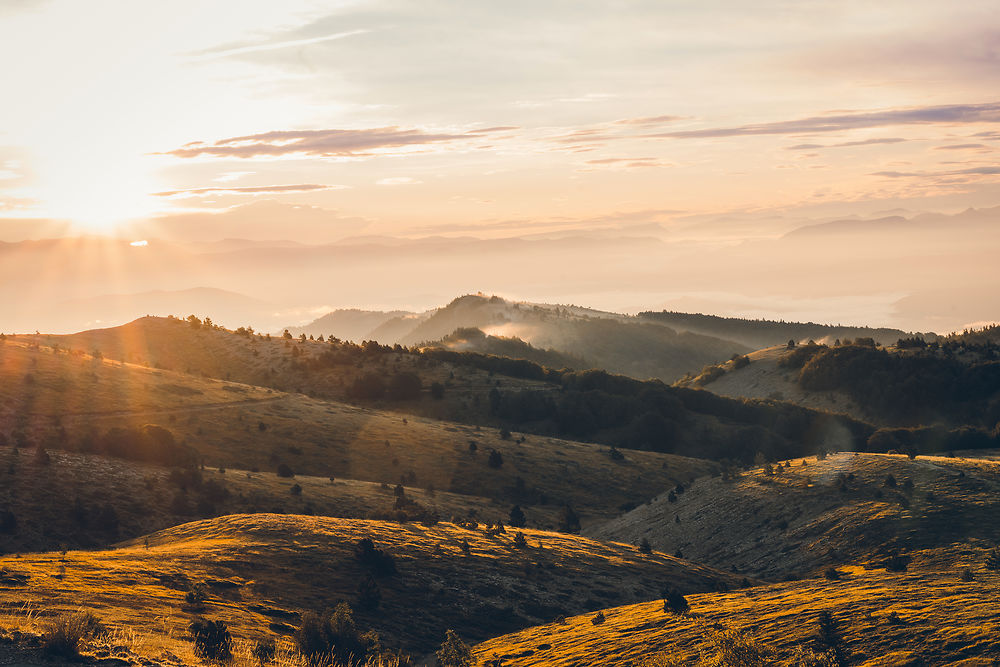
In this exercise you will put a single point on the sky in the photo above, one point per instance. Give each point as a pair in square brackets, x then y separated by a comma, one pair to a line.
[719, 122]
[440, 117]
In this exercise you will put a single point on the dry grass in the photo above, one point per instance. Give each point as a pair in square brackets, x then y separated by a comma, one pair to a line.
[939, 621]
[262, 571]
[801, 522]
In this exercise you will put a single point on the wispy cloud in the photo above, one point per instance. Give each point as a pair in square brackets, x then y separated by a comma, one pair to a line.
[398, 180]
[985, 170]
[649, 120]
[963, 147]
[944, 115]
[323, 143]
[254, 190]
[628, 162]
[845, 144]
[271, 46]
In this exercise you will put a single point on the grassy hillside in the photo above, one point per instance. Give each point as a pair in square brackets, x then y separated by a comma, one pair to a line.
[876, 619]
[844, 510]
[262, 571]
[952, 383]
[757, 334]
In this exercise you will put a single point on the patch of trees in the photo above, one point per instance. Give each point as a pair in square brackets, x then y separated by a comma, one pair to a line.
[930, 439]
[622, 412]
[909, 388]
[148, 444]
[759, 333]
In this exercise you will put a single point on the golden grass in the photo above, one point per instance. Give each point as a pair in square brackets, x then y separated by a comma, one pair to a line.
[941, 621]
[800, 522]
[261, 571]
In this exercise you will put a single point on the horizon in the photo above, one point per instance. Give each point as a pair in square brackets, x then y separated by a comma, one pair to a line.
[718, 134]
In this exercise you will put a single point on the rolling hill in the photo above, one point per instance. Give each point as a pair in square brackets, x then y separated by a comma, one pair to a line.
[849, 509]
[875, 618]
[593, 339]
[262, 571]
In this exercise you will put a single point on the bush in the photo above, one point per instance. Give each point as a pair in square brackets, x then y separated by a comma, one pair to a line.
[739, 650]
[516, 519]
[264, 650]
[65, 634]
[212, 640]
[336, 636]
[569, 522]
[645, 547]
[967, 575]
[832, 574]
[285, 471]
[675, 602]
[379, 562]
[897, 563]
[369, 595]
[993, 559]
[454, 652]
[495, 460]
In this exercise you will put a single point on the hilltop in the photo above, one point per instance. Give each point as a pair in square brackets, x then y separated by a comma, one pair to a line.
[847, 509]
[761, 333]
[262, 571]
[590, 338]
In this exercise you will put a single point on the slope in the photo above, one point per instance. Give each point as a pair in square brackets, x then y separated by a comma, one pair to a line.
[876, 619]
[846, 509]
[262, 571]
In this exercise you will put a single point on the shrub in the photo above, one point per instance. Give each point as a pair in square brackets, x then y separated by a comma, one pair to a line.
[454, 652]
[197, 595]
[736, 649]
[379, 562]
[645, 547]
[65, 634]
[832, 574]
[519, 541]
[897, 563]
[569, 522]
[495, 460]
[296, 490]
[967, 575]
[993, 559]
[264, 650]
[285, 471]
[336, 636]
[675, 602]
[597, 620]
[516, 519]
[212, 640]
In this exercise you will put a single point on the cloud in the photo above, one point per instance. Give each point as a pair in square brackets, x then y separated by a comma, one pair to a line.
[628, 162]
[865, 142]
[224, 52]
[398, 180]
[969, 171]
[255, 190]
[944, 115]
[962, 147]
[323, 143]
[259, 220]
[649, 120]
